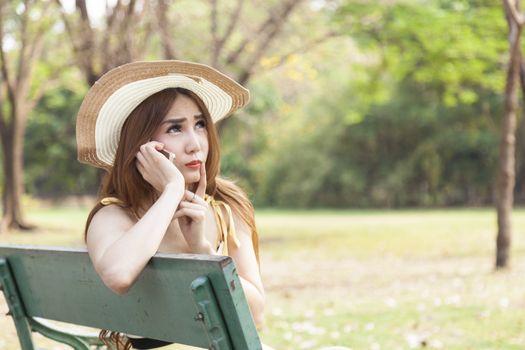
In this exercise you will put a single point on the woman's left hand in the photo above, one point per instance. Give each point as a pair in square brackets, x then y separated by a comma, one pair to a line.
[191, 214]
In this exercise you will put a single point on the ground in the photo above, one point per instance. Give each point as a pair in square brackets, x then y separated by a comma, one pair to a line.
[403, 279]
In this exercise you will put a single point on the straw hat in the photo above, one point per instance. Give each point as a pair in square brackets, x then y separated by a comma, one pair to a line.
[116, 94]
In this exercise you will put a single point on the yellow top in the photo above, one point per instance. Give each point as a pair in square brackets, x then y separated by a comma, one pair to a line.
[227, 233]
[226, 228]
[111, 200]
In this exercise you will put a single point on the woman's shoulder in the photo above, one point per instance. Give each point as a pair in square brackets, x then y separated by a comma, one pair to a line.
[110, 209]
[111, 215]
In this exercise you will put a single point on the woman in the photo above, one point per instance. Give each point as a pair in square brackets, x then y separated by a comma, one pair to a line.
[151, 126]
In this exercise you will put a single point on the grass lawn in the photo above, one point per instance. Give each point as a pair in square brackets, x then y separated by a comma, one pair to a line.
[405, 279]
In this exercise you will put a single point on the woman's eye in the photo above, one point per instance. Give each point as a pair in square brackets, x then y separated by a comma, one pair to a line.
[201, 124]
[174, 128]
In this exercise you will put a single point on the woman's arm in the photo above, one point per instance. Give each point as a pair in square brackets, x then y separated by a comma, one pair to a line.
[248, 270]
[120, 248]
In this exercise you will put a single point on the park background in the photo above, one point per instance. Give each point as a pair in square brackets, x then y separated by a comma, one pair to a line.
[370, 149]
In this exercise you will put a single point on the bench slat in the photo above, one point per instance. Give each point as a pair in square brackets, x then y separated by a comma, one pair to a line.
[61, 284]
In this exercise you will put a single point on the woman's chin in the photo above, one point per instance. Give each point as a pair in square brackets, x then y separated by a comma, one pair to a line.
[191, 178]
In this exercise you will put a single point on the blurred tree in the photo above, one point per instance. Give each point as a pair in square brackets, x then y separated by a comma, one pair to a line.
[121, 36]
[415, 123]
[23, 25]
[402, 111]
[241, 38]
[507, 149]
[443, 44]
[51, 166]
[241, 35]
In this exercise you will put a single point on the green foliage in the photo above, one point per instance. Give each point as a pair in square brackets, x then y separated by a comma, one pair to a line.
[401, 110]
[305, 165]
[50, 150]
[440, 159]
[416, 122]
[246, 139]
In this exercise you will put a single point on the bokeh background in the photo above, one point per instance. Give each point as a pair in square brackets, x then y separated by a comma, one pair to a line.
[370, 148]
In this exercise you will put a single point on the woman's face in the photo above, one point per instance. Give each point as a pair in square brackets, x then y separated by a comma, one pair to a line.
[183, 132]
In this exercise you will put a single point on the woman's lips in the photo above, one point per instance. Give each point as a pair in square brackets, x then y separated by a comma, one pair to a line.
[194, 164]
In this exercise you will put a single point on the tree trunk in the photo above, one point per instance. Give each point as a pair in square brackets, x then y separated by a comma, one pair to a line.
[506, 166]
[17, 93]
[13, 184]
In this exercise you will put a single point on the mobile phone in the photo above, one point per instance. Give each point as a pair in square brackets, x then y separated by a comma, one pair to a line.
[169, 155]
[166, 153]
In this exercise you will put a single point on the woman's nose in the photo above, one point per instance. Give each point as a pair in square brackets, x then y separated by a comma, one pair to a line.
[192, 143]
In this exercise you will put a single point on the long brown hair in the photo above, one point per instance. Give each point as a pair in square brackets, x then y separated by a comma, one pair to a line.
[124, 181]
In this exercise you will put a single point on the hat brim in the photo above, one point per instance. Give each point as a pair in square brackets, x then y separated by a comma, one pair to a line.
[117, 93]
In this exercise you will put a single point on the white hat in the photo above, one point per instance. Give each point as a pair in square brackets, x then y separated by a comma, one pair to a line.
[117, 93]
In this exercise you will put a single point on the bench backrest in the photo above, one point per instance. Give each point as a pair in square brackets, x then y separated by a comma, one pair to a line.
[190, 299]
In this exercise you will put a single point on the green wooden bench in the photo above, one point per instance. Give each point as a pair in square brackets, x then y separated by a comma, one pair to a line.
[182, 298]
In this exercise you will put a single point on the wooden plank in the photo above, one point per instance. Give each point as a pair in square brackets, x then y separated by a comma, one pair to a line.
[235, 309]
[61, 284]
[16, 307]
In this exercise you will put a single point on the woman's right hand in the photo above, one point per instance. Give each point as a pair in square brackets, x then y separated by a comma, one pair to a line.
[156, 169]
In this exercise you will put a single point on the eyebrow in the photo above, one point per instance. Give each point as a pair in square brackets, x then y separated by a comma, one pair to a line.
[180, 120]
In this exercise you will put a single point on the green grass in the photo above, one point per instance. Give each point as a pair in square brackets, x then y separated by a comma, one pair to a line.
[438, 233]
[405, 279]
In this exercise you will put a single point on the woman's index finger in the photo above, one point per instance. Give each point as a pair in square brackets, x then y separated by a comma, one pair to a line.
[201, 188]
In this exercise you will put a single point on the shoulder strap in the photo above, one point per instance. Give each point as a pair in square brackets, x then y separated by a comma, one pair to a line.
[226, 232]
[111, 200]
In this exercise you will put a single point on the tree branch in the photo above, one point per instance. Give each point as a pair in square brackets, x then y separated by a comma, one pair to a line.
[126, 40]
[67, 24]
[131, 7]
[38, 39]
[128, 22]
[163, 25]
[258, 53]
[22, 59]
[148, 29]
[235, 54]
[110, 20]
[51, 83]
[111, 23]
[306, 47]
[3, 58]
[213, 32]
[3, 128]
[86, 37]
[234, 19]
[517, 17]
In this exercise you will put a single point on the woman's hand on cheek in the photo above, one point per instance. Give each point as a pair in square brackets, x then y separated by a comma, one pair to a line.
[156, 169]
[191, 214]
